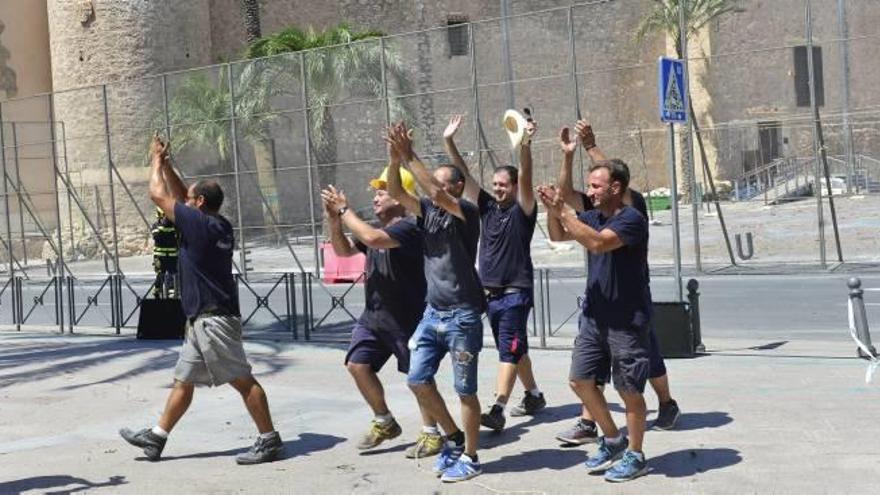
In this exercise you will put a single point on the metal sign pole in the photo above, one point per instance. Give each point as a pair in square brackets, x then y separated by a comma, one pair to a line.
[673, 199]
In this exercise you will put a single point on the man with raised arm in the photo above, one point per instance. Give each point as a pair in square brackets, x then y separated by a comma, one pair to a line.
[615, 321]
[508, 217]
[452, 320]
[395, 301]
[212, 352]
[584, 430]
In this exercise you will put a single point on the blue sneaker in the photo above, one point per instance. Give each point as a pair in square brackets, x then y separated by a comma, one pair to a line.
[629, 467]
[606, 455]
[463, 469]
[447, 458]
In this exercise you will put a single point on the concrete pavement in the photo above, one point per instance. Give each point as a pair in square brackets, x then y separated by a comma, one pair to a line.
[760, 416]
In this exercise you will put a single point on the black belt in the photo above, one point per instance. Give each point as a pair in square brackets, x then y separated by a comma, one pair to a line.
[501, 291]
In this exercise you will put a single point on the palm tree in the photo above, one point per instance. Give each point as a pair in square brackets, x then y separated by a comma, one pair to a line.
[250, 10]
[338, 62]
[666, 18]
[199, 112]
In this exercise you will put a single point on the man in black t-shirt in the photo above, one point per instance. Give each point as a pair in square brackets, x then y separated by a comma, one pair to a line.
[395, 301]
[615, 321]
[584, 430]
[452, 322]
[212, 352]
[508, 218]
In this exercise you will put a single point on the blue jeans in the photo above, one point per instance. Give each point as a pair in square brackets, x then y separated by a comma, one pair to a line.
[456, 331]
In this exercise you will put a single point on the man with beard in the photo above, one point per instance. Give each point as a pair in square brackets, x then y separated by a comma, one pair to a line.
[395, 300]
[452, 321]
[614, 325]
[584, 430]
[508, 217]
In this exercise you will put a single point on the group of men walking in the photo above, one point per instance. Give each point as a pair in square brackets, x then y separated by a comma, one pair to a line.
[425, 299]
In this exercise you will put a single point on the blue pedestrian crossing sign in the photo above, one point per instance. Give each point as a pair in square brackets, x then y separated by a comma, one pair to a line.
[673, 97]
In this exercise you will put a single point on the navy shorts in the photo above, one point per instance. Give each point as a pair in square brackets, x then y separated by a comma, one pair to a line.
[509, 318]
[658, 367]
[375, 348]
[625, 351]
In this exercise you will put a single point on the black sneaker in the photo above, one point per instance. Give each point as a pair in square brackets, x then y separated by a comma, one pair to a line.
[494, 419]
[667, 415]
[263, 450]
[582, 432]
[147, 440]
[529, 405]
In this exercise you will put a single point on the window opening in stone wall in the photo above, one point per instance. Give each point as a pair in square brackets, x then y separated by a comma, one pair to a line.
[802, 76]
[457, 34]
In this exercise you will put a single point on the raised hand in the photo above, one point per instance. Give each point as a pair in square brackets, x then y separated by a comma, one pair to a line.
[399, 140]
[158, 148]
[531, 128]
[585, 131]
[452, 127]
[567, 142]
[334, 201]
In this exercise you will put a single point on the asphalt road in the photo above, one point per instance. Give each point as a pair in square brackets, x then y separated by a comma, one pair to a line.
[779, 307]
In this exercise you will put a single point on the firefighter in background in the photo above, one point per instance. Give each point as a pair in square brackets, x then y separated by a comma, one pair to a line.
[164, 257]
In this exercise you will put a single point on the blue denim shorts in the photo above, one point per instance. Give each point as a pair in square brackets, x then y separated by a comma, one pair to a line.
[458, 332]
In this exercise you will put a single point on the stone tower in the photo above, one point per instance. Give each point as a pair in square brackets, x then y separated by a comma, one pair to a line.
[120, 43]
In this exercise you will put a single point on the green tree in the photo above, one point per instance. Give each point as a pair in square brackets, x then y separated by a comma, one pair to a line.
[250, 10]
[338, 61]
[666, 18]
[199, 112]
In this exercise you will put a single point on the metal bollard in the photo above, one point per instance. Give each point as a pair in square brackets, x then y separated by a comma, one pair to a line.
[860, 317]
[694, 303]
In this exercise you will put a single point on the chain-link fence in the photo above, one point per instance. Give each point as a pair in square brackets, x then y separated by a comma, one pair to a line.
[274, 131]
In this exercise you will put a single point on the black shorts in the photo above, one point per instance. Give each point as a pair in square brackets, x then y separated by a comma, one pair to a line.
[625, 351]
[375, 348]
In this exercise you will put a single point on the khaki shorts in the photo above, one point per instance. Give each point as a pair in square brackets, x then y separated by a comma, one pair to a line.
[212, 352]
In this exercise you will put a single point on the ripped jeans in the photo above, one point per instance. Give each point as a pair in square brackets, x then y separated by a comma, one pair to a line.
[456, 331]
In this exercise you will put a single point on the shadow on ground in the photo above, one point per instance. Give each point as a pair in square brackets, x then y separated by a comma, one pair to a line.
[72, 354]
[690, 462]
[47, 483]
[306, 444]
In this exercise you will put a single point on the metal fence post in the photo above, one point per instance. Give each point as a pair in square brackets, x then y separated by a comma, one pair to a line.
[542, 328]
[6, 196]
[860, 317]
[242, 238]
[59, 274]
[475, 88]
[688, 151]
[308, 136]
[577, 105]
[384, 82]
[20, 205]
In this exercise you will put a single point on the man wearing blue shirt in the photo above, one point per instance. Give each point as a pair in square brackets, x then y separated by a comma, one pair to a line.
[508, 217]
[212, 353]
[668, 412]
[452, 321]
[615, 322]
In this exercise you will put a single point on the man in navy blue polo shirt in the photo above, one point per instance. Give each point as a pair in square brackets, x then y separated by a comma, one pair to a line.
[212, 353]
[584, 430]
[508, 217]
[395, 300]
[615, 321]
[452, 322]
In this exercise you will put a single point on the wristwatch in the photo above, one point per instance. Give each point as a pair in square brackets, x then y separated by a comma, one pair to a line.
[343, 210]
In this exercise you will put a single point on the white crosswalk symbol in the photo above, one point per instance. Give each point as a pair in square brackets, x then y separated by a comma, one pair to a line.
[673, 101]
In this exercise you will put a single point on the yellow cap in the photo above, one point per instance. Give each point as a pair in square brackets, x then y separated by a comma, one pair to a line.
[406, 179]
